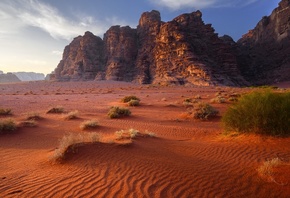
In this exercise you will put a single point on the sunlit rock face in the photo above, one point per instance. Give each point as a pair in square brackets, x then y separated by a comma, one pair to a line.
[82, 59]
[184, 50]
[265, 51]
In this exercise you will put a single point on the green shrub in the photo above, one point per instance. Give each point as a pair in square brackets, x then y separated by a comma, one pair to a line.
[116, 112]
[5, 111]
[262, 112]
[204, 111]
[129, 98]
[134, 103]
[7, 126]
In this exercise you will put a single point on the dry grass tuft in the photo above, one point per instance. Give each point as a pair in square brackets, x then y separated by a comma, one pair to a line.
[203, 111]
[5, 112]
[7, 126]
[58, 109]
[33, 116]
[89, 124]
[70, 141]
[129, 98]
[134, 103]
[72, 115]
[28, 123]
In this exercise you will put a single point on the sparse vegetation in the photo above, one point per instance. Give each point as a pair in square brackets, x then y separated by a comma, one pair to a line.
[68, 143]
[71, 115]
[218, 99]
[116, 112]
[58, 109]
[5, 112]
[7, 126]
[89, 124]
[203, 111]
[128, 134]
[262, 112]
[129, 98]
[33, 116]
[29, 123]
[134, 103]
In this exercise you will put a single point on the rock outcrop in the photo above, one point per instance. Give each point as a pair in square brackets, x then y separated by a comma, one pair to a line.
[120, 51]
[184, 50]
[82, 59]
[264, 51]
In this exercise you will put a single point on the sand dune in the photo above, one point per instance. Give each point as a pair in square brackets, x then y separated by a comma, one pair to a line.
[188, 158]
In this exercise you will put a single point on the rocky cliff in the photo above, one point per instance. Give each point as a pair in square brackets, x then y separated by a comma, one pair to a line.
[184, 50]
[264, 51]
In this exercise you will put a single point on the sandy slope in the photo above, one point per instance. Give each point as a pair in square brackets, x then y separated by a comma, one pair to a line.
[189, 158]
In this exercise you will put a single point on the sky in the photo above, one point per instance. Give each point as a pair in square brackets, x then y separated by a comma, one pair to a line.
[33, 33]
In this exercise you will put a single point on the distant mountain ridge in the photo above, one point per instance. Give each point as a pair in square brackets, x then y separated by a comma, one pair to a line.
[184, 50]
[20, 76]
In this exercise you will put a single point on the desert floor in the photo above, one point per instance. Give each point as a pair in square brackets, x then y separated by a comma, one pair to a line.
[187, 158]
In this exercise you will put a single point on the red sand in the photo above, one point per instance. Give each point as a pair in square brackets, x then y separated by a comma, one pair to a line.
[189, 158]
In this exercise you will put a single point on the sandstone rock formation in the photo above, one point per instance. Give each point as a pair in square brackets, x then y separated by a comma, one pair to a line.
[184, 50]
[264, 54]
[82, 59]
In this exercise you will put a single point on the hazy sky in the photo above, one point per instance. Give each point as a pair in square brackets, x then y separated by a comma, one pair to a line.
[33, 33]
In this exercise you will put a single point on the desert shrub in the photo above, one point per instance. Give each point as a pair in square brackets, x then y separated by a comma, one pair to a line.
[89, 124]
[69, 141]
[33, 116]
[204, 111]
[262, 112]
[72, 115]
[5, 111]
[126, 134]
[29, 123]
[197, 96]
[116, 112]
[58, 109]
[218, 99]
[134, 103]
[129, 98]
[7, 126]
[233, 99]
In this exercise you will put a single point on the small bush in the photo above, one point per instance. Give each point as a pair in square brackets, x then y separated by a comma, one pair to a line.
[128, 134]
[204, 111]
[89, 124]
[116, 112]
[29, 123]
[71, 115]
[262, 112]
[134, 103]
[218, 99]
[33, 116]
[68, 142]
[129, 98]
[5, 111]
[7, 126]
[57, 109]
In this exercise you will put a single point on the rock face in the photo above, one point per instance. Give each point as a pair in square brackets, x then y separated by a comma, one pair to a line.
[8, 78]
[264, 51]
[184, 50]
[29, 76]
[82, 59]
[120, 51]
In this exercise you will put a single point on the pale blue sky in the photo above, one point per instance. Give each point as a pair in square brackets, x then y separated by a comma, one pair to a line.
[33, 33]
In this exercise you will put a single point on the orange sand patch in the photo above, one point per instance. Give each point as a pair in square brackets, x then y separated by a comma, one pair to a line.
[188, 158]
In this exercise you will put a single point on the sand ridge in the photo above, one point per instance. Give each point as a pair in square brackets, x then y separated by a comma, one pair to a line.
[188, 158]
